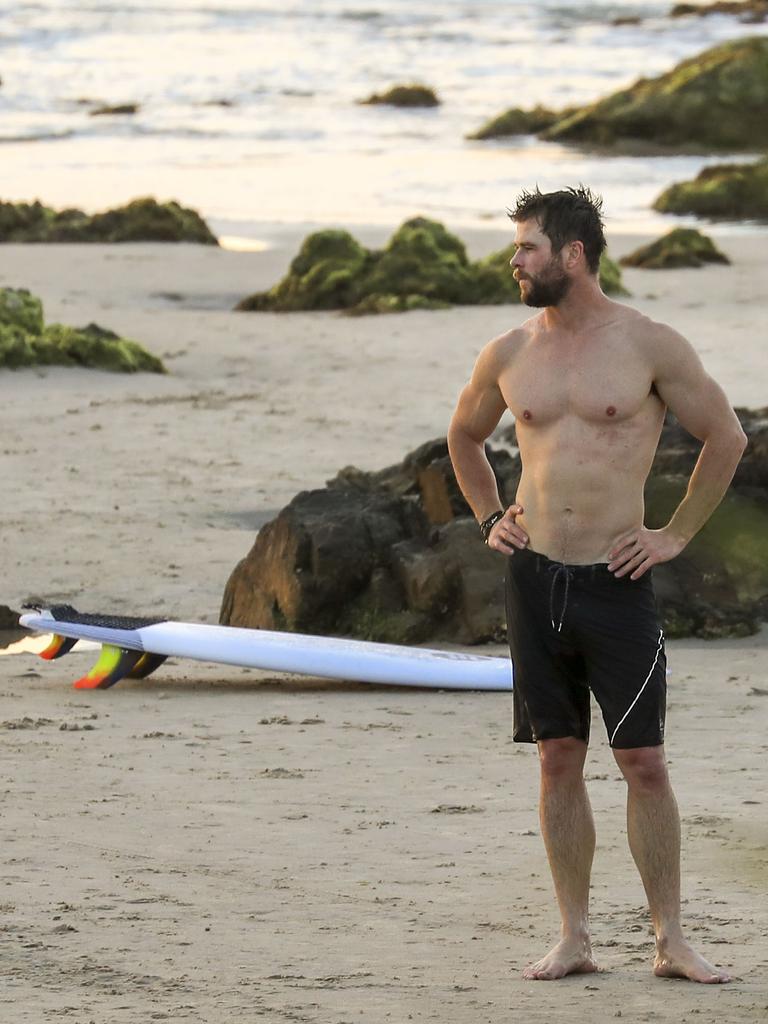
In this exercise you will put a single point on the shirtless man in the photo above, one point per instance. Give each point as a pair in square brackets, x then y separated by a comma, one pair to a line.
[588, 381]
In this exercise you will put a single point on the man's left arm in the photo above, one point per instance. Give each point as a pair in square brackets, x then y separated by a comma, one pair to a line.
[702, 408]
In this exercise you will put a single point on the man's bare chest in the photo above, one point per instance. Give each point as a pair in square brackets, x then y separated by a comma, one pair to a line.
[604, 385]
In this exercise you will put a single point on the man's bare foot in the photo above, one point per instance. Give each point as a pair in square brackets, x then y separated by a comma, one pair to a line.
[677, 959]
[570, 956]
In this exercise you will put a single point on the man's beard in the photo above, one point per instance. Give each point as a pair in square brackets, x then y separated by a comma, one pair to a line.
[549, 288]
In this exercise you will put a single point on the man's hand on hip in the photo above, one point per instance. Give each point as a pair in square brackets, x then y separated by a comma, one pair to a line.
[506, 535]
[637, 551]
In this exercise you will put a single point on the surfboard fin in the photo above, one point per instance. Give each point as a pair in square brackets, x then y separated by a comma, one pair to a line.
[113, 665]
[58, 647]
[146, 665]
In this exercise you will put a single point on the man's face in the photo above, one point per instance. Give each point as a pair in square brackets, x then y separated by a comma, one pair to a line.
[538, 271]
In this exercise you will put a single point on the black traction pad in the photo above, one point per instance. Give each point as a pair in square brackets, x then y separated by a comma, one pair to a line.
[66, 613]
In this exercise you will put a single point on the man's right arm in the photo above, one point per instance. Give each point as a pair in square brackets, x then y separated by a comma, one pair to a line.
[479, 409]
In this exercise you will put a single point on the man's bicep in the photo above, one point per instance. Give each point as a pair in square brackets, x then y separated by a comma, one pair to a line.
[695, 398]
[478, 411]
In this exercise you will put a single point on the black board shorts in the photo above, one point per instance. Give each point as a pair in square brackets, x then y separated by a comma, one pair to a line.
[578, 628]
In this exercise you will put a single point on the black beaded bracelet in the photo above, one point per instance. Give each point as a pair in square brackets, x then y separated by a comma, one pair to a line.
[488, 524]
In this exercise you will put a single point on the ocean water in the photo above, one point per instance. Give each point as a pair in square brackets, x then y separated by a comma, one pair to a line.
[248, 109]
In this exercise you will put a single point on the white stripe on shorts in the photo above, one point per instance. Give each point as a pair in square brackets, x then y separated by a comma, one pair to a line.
[639, 693]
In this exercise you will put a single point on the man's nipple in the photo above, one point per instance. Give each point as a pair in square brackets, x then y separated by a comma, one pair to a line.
[611, 410]
[527, 414]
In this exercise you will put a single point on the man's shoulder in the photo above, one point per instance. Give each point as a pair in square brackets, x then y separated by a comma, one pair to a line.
[644, 330]
[504, 346]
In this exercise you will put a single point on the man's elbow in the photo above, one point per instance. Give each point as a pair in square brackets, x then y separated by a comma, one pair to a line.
[740, 441]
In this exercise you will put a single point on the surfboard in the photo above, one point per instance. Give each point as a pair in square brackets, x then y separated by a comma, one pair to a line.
[134, 647]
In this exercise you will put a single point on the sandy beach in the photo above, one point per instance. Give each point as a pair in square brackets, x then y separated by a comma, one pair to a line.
[215, 845]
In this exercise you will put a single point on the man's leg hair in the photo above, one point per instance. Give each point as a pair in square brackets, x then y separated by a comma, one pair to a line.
[569, 837]
[653, 830]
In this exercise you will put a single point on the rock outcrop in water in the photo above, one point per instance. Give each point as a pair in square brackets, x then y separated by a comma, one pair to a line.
[722, 192]
[714, 101]
[423, 266]
[680, 247]
[412, 95]
[397, 556]
[118, 109]
[517, 121]
[749, 11]
[25, 340]
[142, 220]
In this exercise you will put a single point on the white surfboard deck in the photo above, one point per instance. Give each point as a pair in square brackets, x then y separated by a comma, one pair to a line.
[327, 657]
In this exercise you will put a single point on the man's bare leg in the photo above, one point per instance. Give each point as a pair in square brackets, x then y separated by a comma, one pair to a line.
[653, 828]
[569, 838]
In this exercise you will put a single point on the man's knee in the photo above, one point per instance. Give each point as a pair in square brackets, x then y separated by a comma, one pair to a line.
[562, 759]
[644, 768]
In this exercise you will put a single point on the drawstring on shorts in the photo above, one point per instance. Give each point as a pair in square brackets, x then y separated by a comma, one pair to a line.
[557, 569]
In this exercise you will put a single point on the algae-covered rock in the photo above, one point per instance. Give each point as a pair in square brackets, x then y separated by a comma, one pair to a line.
[325, 275]
[98, 348]
[142, 220]
[680, 247]
[753, 11]
[725, 191]
[716, 100]
[26, 341]
[517, 121]
[22, 309]
[423, 258]
[423, 266]
[610, 276]
[120, 109]
[146, 220]
[413, 95]
[719, 584]
[377, 303]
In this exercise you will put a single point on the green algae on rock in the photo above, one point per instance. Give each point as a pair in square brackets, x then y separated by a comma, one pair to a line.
[714, 101]
[120, 109]
[142, 220]
[680, 247]
[752, 11]
[412, 95]
[20, 308]
[722, 192]
[610, 276]
[423, 266]
[517, 121]
[26, 341]
[324, 275]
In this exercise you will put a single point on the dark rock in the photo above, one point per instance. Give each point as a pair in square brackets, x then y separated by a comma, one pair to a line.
[714, 101]
[517, 121]
[396, 556]
[365, 557]
[118, 109]
[26, 341]
[725, 191]
[629, 19]
[423, 266]
[9, 619]
[405, 96]
[749, 11]
[142, 220]
[680, 247]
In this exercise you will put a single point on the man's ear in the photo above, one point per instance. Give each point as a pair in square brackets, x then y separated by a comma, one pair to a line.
[574, 251]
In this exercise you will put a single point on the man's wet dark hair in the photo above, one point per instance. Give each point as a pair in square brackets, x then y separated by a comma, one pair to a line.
[573, 214]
